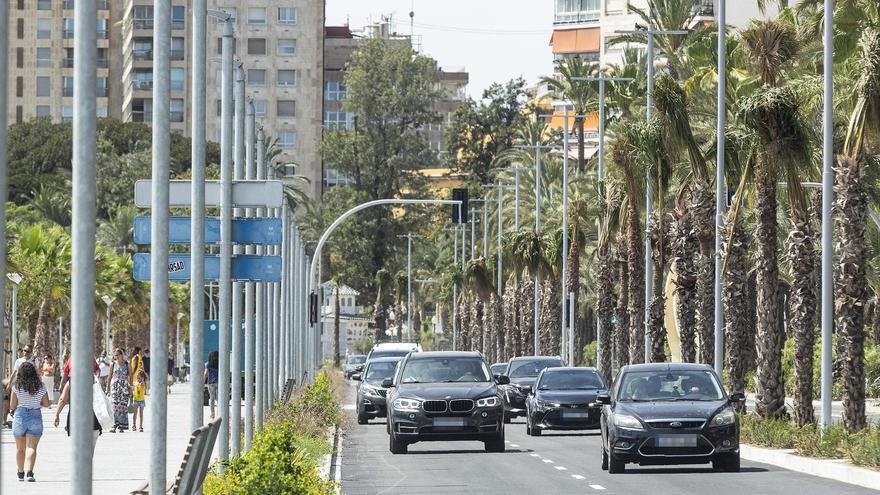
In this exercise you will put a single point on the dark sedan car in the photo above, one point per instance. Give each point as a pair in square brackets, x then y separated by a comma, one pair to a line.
[564, 399]
[522, 372]
[444, 396]
[370, 392]
[669, 414]
[353, 364]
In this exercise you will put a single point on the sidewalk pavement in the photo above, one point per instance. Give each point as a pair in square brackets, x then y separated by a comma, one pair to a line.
[121, 462]
[872, 408]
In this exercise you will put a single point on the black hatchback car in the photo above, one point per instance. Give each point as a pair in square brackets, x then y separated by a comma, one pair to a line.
[669, 413]
[444, 396]
[564, 399]
[370, 392]
[522, 372]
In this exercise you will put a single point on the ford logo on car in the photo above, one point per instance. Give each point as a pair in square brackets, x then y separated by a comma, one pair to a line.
[675, 424]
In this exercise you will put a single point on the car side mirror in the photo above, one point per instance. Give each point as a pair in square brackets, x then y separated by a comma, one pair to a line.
[737, 397]
[502, 379]
[387, 383]
[527, 389]
[356, 377]
[603, 399]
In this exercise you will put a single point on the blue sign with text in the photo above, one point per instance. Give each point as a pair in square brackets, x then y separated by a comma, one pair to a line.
[246, 267]
[212, 339]
[260, 231]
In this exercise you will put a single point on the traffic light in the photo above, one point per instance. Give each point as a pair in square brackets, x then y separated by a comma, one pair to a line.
[459, 212]
[313, 308]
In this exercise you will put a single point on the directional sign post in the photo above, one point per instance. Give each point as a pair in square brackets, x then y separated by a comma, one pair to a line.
[244, 267]
[245, 194]
[261, 231]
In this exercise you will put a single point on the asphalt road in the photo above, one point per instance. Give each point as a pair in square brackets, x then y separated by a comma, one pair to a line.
[556, 462]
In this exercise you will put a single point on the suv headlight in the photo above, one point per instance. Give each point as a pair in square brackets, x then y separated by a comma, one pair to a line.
[724, 418]
[371, 390]
[628, 422]
[407, 404]
[488, 402]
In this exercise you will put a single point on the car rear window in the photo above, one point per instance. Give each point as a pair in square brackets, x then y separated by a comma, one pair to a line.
[531, 367]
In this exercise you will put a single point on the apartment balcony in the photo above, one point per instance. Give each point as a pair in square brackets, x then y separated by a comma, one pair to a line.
[142, 54]
[100, 4]
[178, 24]
[580, 17]
[704, 8]
[68, 4]
[67, 34]
[176, 116]
[141, 116]
[142, 85]
[178, 54]
[100, 63]
[142, 23]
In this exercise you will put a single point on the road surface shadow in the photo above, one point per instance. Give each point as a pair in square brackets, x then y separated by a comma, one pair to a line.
[466, 451]
[682, 470]
[546, 433]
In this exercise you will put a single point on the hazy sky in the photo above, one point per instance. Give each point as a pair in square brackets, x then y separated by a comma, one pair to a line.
[494, 40]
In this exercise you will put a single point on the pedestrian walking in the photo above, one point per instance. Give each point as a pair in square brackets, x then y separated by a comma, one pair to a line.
[210, 379]
[138, 400]
[27, 356]
[137, 363]
[68, 365]
[47, 375]
[120, 391]
[63, 401]
[104, 370]
[28, 396]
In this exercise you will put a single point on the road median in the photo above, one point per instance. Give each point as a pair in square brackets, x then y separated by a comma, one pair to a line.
[835, 469]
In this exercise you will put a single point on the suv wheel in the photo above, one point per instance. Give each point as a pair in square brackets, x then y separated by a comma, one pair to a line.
[727, 462]
[507, 419]
[532, 431]
[496, 444]
[615, 466]
[396, 445]
[362, 420]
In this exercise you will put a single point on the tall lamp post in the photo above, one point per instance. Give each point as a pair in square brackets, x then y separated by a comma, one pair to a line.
[108, 301]
[16, 279]
[177, 355]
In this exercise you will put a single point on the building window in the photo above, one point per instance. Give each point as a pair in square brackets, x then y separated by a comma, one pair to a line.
[335, 121]
[20, 4]
[44, 85]
[177, 110]
[287, 78]
[142, 110]
[256, 46]
[19, 114]
[256, 15]
[178, 17]
[233, 13]
[178, 49]
[335, 91]
[66, 86]
[44, 28]
[574, 11]
[19, 58]
[220, 108]
[100, 87]
[286, 47]
[19, 87]
[142, 16]
[67, 32]
[286, 108]
[101, 60]
[287, 139]
[256, 77]
[19, 28]
[44, 4]
[101, 112]
[260, 108]
[220, 46]
[101, 29]
[286, 15]
[44, 111]
[142, 79]
[66, 114]
[178, 81]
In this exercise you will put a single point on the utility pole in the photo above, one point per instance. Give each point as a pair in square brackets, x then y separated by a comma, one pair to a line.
[409, 237]
[827, 218]
[263, 390]
[650, 32]
[249, 304]
[720, 196]
[516, 171]
[82, 317]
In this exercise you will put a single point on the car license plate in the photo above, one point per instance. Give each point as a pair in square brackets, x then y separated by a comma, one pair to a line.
[677, 441]
[448, 422]
[575, 414]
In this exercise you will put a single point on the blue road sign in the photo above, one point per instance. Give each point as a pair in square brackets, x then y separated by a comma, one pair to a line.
[212, 339]
[261, 231]
[244, 267]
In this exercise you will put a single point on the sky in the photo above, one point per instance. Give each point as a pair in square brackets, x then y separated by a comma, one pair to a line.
[493, 40]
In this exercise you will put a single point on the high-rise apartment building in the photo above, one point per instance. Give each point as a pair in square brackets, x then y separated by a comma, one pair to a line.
[280, 44]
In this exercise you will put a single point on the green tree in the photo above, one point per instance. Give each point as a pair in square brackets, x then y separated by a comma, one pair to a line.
[583, 95]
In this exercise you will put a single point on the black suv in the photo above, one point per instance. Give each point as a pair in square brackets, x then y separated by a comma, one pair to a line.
[522, 372]
[370, 392]
[444, 396]
[669, 413]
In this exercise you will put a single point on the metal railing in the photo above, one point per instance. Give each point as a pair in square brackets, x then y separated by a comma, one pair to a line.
[178, 24]
[142, 54]
[141, 116]
[178, 54]
[142, 85]
[142, 23]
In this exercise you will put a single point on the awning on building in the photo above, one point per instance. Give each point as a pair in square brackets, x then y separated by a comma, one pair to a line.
[584, 40]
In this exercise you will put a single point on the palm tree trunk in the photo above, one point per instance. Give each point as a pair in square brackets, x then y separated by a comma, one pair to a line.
[620, 357]
[605, 309]
[574, 286]
[735, 289]
[464, 315]
[497, 327]
[550, 322]
[579, 122]
[684, 248]
[656, 324]
[770, 384]
[702, 207]
[527, 319]
[851, 286]
[802, 304]
[636, 309]
[46, 335]
[875, 319]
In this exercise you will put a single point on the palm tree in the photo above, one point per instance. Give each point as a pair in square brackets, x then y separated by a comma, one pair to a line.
[400, 285]
[380, 307]
[117, 232]
[54, 203]
[582, 94]
[551, 322]
[772, 112]
[620, 357]
[605, 274]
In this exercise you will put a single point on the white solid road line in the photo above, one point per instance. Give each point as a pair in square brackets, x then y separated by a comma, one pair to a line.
[597, 487]
[577, 477]
[514, 445]
[561, 468]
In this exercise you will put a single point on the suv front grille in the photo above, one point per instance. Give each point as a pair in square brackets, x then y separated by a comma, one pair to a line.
[382, 392]
[683, 424]
[434, 406]
[461, 405]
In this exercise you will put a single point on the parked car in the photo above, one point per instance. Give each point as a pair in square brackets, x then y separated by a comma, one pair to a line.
[370, 392]
[522, 372]
[393, 349]
[664, 413]
[564, 399]
[354, 363]
[444, 396]
[498, 368]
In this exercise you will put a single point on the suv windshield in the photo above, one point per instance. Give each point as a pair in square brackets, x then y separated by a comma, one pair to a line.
[445, 370]
[356, 359]
[531, 367]
[670, 385]
[570, 380]
[376, 372]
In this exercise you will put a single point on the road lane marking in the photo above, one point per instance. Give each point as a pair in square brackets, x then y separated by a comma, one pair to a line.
[577, 477]
[535, 455]
[349, 407]
[547, 461]
[597, 487]
[514, 445]
[507, 441]
[561, 468]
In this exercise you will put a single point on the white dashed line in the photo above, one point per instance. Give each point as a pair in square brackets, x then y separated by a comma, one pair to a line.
[577, 476]
[561, 468]
[507, 441]
[597, 487]
[535, 455]
[547, 461]
[514, 445]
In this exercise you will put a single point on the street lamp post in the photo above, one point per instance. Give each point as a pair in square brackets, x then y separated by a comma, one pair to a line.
[649, 186]
[720, 197]
[16, 279]
[409, 237]
[178, 357]
[108, 301]
[827, 202]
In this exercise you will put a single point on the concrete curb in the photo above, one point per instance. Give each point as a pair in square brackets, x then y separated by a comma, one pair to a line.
[332, 462]
[835, 469]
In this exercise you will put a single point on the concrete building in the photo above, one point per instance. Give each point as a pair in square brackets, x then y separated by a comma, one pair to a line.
[280, 44]
[353, 323]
